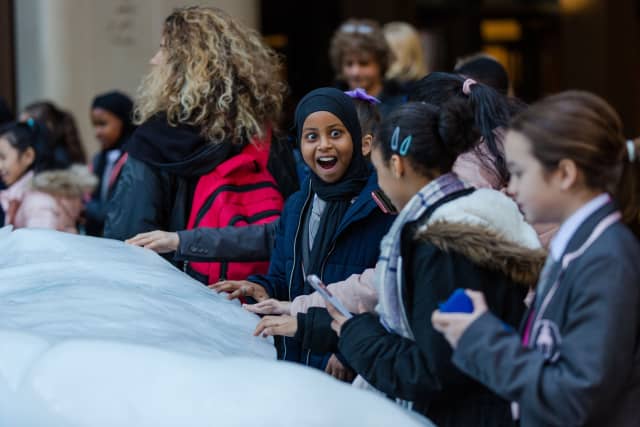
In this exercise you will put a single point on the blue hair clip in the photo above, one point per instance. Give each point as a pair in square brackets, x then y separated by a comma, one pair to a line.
[401, 148]
[394, 138]
[406, 144]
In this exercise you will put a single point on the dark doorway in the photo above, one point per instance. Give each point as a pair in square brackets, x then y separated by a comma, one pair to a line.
[7, 54]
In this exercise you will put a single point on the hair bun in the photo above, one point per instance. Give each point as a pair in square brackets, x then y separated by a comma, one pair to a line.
[456, 126]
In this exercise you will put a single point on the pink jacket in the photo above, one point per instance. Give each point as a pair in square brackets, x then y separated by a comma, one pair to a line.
[51, 199]
[357, 292]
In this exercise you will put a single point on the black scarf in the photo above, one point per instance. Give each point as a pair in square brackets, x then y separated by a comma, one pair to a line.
[338, 195]
[179, 150]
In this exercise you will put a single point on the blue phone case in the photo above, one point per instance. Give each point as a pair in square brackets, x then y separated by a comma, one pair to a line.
[458, 302]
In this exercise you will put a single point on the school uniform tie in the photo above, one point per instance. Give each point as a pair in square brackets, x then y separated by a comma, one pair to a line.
[548, 276]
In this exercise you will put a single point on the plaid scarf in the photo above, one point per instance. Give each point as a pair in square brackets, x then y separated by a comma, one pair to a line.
[389, 267]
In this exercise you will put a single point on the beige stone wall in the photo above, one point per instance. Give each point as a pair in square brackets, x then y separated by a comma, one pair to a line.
[70, 50]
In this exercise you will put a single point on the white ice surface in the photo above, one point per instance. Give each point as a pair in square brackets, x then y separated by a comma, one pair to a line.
[97, 333]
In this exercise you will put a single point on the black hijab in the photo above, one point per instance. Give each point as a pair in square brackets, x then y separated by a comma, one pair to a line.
[338, 195]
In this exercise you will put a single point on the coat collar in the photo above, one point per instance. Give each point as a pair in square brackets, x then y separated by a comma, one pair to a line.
[488, 249]
[569, 227]
[584, 230]
[362, 206]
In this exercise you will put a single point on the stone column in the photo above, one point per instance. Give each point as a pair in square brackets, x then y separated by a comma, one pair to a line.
[68, 51]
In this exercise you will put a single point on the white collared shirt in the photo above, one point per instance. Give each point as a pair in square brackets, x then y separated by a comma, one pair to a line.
[569, 227]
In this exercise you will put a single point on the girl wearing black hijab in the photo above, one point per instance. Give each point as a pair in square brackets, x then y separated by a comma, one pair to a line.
[111, 116]
[332, 227]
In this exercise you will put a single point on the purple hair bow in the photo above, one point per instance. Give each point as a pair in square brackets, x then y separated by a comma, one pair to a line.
[360, 93]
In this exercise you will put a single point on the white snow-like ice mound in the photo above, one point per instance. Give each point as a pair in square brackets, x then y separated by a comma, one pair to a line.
[94, 332]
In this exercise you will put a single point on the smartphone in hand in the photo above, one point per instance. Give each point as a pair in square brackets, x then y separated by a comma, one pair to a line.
[317, 284]
[383, 202]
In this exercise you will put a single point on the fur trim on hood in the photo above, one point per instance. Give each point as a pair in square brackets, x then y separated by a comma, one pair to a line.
[488, 228]
[73, 182]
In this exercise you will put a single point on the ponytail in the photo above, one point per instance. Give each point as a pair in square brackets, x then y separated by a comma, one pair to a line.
[431, 138]
[456, 128]
[491, 111]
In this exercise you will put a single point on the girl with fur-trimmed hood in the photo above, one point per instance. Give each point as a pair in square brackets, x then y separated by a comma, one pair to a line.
[37, 196]
[446, 236]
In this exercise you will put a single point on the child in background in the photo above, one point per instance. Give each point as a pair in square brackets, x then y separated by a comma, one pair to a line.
[64, 138]
[111, 117]
[333, 223]
[484, 69]
[38, 196]
[360, 57]
[576, 360]
[367, 108]
[445, 235]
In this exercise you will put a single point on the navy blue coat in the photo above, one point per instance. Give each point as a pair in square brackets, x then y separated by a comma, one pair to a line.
[356, 248]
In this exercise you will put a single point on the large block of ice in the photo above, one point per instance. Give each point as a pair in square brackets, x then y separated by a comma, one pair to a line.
[97, 333]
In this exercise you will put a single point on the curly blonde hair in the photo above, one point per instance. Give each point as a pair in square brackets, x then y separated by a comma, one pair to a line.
[218, 75]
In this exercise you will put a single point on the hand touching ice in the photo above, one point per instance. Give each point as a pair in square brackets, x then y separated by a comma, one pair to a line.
[158, 241]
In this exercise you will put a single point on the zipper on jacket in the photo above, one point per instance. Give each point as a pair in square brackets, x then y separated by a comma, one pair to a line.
[224, 266]
[324, 263]
[295, 245]
[229, 187]
[326, 259]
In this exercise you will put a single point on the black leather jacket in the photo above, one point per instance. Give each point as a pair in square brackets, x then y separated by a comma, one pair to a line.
[147, 199]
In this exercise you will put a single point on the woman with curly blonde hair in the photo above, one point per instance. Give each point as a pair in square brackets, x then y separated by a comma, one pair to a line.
[213, 93]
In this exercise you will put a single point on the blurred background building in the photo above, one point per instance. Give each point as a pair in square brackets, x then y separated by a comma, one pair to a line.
[69, 50]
